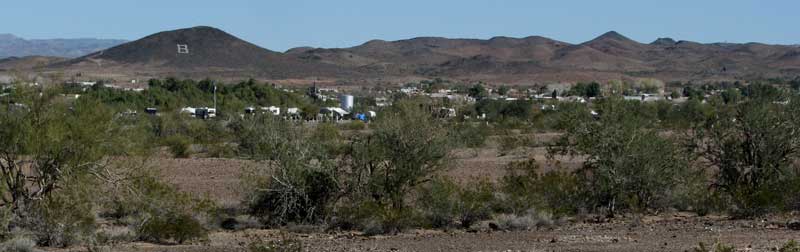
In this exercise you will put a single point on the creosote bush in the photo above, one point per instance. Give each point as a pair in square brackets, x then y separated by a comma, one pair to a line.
[178, 227]
[445, 204]
[524, 188]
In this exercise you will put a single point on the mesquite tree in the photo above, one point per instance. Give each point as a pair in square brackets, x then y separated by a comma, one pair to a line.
[750, 148]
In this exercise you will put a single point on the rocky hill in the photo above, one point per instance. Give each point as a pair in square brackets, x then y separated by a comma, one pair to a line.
[198, 51]
[207, 51]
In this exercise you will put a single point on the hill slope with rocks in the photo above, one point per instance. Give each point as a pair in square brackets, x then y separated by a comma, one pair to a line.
[210, 52]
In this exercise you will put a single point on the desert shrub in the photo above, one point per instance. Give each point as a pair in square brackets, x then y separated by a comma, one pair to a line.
[470, 135]
[115, 235]
[18, 244]
[525, 221]
[178, 227]
[6, 218]
[514, 222]
[524, 188]
[437, 201]
[374, 218]
[790, 246]
[62, 219]
[294, 180]
[629, 165]
[443, 202]
[509, 142]
[220, 150]
[155, 210]
[406, 148]
[355, 125]
[285, 244]
[328, 137]
[475, 202]
[694, 195]
[303, 197]
[178, 145]
[749, 149]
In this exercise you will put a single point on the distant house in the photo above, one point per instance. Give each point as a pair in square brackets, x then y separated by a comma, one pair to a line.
[643, 98]
[334, 113]
[272, 110]
[293, 113]
[202, 112]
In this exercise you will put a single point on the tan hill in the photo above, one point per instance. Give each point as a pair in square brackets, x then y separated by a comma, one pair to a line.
[13, 46]
[28, 62]
[210, 52]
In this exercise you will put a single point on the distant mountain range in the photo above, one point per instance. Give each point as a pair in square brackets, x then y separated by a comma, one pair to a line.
[200, 52]
[12, 46]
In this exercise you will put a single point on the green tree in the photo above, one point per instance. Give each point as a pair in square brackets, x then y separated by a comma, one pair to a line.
[43, 141]
[628, 163]
[503, 90]
[406, 148]
[478, 91]
[750, 148]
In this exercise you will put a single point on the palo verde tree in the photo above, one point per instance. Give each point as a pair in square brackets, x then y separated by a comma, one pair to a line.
[405, 149]
[44, 140]
[629, 165]
[750, 149]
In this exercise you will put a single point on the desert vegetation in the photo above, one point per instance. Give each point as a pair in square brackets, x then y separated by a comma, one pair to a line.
[80, 171]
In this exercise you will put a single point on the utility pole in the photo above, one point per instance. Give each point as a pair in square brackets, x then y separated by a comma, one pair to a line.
[215, 96]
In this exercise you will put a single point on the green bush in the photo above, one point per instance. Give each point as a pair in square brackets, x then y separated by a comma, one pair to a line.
[355, 125]
[524, 189]
[155, 210]
[470, 135]
[629, 164]
[178, 145]
[749, 148]
[220, 150]
[443, 203]
[177, 227]
[790, 246]
[374, 218]
[63, 219]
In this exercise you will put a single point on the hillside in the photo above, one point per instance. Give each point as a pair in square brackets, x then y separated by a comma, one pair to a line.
[196, 51]
[28, 62]
[13, 46]
[210, 52]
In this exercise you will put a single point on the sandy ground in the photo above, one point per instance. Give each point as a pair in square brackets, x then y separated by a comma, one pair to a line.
[676, 232]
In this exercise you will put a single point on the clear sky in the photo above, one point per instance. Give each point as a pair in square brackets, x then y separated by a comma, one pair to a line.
[280, 25]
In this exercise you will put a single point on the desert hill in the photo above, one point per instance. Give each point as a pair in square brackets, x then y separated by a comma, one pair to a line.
[207, 51]
[13, 46]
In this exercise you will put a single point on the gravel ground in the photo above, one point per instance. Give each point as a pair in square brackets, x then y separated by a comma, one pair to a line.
[677, 232]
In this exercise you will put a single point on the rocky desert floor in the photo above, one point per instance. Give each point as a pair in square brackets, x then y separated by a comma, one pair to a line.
[673, 232]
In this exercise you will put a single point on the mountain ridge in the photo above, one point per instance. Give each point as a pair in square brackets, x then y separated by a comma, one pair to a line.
[14, 46]
[503, 59]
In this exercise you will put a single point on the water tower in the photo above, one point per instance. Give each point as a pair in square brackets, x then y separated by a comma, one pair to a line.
[346, 102]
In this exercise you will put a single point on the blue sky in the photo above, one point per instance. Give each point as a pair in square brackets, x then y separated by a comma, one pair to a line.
[280, 25]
